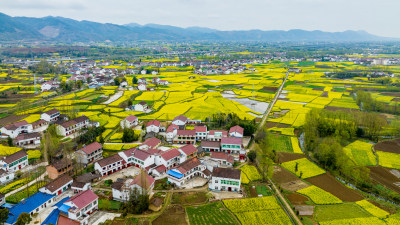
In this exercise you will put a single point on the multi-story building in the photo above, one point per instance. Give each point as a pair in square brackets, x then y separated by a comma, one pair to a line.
[129, 122]
[81, 206]
[90, 153]
[51, 115]
[109, 165]
[236, 131]
[188, 151]
[216, 135]
[32, 139]
[14, 162]
[58, 168]
[15, 129]
[180, 120]
[225, 179]
[185, 137]
[150, 143]
[201, 133]
[58, 186]
[171, 132]
[153, 126]
[72, 126]
[187, 170]
[231, 145]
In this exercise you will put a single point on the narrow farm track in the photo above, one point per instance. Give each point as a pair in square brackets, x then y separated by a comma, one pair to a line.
[261, 125]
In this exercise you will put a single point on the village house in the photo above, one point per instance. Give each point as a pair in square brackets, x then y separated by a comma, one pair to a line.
[150, 143]
[90, 153]
[57, 186]
[32, 139]
[14, 129]
[77, 186]
[185, 137]
[223, 159]
[31, 205]
[201, 133]
[163, 82]
[225, 179]
[58, 168]
[180, 121]
[49, 85]
[14, 162]
[211, 146]
[186, 171]
[142, 80]
[142, 87]
[137, 157]
[122, 189]
[153, 126]
[6, 177]
[40, 125]
[216, 135]
[236, 131]
[51, 115]
[129, 122]
[169, 158]
[81, 206]
[231, 145]
[109, 165]
[188, 152]
[72, 126]
[141, 106]
[171, 132]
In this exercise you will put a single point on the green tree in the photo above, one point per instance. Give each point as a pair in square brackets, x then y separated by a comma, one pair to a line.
[252, 155]
[79, 84]
[10, 141]
[117, 81]
[128, 136]
[134, 80]
[23, 218]
[3, 215]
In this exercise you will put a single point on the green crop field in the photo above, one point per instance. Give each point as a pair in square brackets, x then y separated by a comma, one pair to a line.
[212, 213]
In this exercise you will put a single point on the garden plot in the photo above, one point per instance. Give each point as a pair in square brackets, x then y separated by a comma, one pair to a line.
[361, 153]
[287, 180]
[303, 168]
[328, 183]
[213, 213]
[392, 146]
[384, 177]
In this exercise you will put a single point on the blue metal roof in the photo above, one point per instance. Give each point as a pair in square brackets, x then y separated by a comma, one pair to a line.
[64, 208]
[52, 218]
[27, 205]
[7, 205]
[175, 174]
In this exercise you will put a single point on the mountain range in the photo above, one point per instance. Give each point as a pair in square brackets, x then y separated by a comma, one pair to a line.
[60, 29]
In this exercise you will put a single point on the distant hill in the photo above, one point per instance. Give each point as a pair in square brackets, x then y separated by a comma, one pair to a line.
[68, 30]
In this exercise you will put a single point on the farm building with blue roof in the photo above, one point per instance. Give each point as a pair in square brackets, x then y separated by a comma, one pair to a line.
[31, 205]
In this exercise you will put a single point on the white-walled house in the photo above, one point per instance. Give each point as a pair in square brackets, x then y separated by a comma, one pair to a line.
[58, 186]
[141, 106]
[153, 126]
[236, 131]
[169, 158]
[77, 186]
[137, 157]
[6, 177]
[180, 120]
[225, 179]
[90, 153]
[51, 115]
[231, 145]
[121, 190]
[32, 139]
[150, 143]
[201, 133]
[171, 132]
[14, 162]
[72, 126]
[129, 122]
[142, 87]
[109, 165]
[222, 158]
[216, 135]
[186, 171]
[14, 129]
[82, 206]
[47, 86]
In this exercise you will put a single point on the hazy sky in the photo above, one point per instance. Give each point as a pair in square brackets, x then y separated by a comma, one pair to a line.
[380, 17]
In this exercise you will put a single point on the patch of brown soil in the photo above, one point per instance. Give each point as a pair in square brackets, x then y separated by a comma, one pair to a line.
[333, 186]
[297, 199]
[286, 157]
[384, 177]
[392, 146]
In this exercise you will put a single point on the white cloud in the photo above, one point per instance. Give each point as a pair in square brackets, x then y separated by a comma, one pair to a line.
[378, 17]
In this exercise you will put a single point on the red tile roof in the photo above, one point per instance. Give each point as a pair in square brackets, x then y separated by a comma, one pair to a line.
[231, 140]
[186, 132]
[141, 154]
[131, 118]
[224, 132]
[13, 157]
[188, 165]
[152, 142]
[153, 122]
[92, 147]
[52, 111]
[34, 124]
[189, 149]
[222, 155]
[181, 118]
[172, 127]
[172, 153]
[14, 126]
[160, 168]
[200, 129]
[143, 180]
[237, 129]
[83, 199]
[154, 151]
[210, 144]
[109, 160]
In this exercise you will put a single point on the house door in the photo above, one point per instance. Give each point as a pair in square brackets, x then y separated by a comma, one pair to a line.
[19, 167]
[59, 192]
[229, 189]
